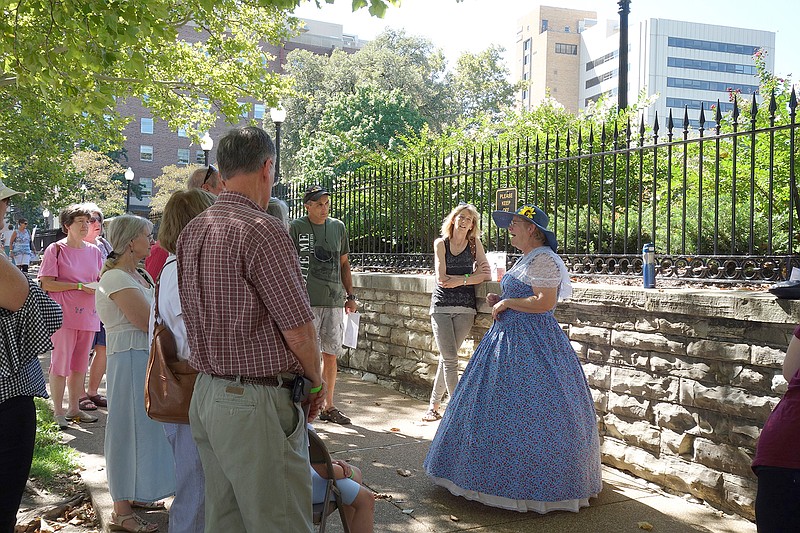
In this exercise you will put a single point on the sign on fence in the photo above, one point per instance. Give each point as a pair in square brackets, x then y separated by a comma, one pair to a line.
[506, 200]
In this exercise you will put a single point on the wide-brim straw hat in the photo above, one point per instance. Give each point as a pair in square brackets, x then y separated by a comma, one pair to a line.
[531, 213]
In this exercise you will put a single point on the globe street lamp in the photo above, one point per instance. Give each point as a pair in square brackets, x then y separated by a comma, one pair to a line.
[46, 217]
[206, 143]
[278, 116]
[83, 192]
[129, 179]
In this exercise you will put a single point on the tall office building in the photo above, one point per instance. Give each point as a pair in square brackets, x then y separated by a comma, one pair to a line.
[151, 144]
[687, 64]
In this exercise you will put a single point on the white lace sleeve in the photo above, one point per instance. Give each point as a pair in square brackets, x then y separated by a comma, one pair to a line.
[543, 268]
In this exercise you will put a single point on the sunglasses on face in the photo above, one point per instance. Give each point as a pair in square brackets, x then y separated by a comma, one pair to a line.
[322, 255]
[95, 219]
[211, 169]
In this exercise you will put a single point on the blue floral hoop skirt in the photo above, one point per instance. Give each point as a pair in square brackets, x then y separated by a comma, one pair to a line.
[520, 432]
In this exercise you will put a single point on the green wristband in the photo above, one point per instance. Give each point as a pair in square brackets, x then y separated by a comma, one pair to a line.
[315, 390]
[80, 286]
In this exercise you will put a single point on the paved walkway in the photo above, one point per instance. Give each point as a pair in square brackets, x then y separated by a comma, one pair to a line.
[387, 441]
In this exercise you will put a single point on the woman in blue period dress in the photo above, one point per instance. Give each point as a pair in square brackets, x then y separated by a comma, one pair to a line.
[139, 462]
[520, 432]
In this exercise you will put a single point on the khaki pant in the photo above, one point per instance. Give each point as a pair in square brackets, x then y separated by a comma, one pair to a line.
[253, 445]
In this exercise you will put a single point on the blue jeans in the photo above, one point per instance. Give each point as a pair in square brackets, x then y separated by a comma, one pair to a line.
[450, 330]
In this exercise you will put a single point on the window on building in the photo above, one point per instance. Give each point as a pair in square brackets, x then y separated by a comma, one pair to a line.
[182, 132]
[145, 153]
[525, 95]
[566, 29]
[526, 45]
[713, 66]
[258, 111]
[568, 49]
[600, 60]
[525, 59]
[544, 25]
[147, 186]
[147, 125]
[200, 157]
[715, 86]
[682, 103]
[244, 109]
[183, 156]
[712, 46]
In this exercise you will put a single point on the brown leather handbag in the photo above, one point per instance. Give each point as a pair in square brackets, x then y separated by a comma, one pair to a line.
[169, 381]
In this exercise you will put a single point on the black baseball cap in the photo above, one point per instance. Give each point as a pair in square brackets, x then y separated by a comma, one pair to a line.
[314, 193]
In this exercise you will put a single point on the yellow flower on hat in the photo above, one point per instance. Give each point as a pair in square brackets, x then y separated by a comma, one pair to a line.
[526, 212]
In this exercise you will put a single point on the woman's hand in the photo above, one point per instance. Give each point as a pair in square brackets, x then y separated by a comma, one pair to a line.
[87, 290]
[492, 298]
[450, 282]
[347, 470]
[485, 268]
[498, 308]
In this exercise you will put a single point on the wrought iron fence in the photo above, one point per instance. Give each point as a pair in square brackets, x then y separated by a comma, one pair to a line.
[719, 203]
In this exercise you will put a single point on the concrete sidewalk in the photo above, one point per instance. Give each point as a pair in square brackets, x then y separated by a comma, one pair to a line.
[388, 442]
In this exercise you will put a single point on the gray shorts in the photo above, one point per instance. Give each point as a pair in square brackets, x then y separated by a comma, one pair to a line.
[329, 322]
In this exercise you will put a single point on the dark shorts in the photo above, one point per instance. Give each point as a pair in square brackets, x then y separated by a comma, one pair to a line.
[100, 336]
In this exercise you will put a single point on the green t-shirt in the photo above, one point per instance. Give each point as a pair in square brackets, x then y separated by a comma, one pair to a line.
[320, 247]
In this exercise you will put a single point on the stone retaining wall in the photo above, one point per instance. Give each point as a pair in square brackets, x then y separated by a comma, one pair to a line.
[682, 379]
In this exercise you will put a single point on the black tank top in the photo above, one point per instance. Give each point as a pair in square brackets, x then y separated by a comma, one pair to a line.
[455, 265]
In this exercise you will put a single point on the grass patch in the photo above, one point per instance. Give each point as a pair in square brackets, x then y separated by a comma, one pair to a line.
[51, 457]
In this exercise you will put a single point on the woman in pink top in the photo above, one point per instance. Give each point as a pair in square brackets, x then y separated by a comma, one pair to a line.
[67, 266]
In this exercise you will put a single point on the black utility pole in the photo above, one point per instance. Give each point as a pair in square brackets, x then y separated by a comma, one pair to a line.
[624, 11]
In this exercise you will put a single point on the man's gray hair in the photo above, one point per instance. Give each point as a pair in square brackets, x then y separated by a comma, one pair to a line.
[243, 150]
[279, 210]
[196, 178]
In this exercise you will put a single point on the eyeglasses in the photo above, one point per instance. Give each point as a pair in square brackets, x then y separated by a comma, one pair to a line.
[211, 168]
[95, 219]
[322, 255]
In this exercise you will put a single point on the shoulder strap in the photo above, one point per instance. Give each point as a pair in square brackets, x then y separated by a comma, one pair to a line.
[158, 284]
[473, 248]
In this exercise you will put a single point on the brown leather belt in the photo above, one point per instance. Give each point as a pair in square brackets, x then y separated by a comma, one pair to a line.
[268, 381]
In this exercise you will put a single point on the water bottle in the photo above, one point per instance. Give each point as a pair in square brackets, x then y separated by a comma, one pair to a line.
[649, 265]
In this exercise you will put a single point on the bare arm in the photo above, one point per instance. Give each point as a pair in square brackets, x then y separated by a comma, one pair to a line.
[792, 361]
[50, 284]
[134, 306]
[347, 281]
[302, 342]
[483, 272]
[15, 286]
[12, 239]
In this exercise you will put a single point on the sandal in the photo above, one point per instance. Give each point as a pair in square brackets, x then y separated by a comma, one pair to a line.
[148, 505]
[99, 400]
[334, 415]
[86, 404]
[431, 416]
[80, 416]
[142, 526]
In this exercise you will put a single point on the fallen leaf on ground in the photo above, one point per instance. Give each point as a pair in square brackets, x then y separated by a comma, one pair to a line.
[395, 429]
[408, 511]
[454, 518]
[381, 496]
[377, 403]
[403, 472]
[647, 526]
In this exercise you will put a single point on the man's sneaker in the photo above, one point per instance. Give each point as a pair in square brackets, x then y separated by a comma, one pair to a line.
[334, 415]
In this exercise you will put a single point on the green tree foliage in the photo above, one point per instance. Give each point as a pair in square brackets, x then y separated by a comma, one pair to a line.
[480, 83]
[173, 178]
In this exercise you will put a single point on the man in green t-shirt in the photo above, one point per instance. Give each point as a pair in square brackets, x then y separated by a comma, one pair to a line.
[322, 245]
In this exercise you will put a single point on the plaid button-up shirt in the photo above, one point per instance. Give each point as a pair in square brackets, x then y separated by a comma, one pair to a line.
[240, 286]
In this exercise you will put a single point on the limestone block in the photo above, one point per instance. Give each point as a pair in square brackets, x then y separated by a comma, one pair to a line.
[372, 306]
[628, 406]
[377, 346]
[358, 359]
[751, 379]
[696, 369]
[419, 325]
[421, 313]
[671, 442]
[597, 355]
[402, 367]
[634, 432]
[397, 350]
[390, 320]
[384, 296]
[636, 460]
[597, 375]
[692, 478]
[638, 383]
[743, 433]
[778, 384]
[579, 348]
[681, 325]
[724, 457]
[673, 417]
[590, 335]
[740, 494]
[397, 309]
[419, 299]
[600, 399]
[646, 325]
[766, 356]
[726, 351]
[623, 357]
[655, 342]
[777, 335]
[664, 364]
[399, 336]
[379, 363]
[422, 341]
[381, 332]
[726, 399]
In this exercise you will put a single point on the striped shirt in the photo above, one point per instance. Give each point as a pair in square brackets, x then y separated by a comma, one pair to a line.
[240, 285]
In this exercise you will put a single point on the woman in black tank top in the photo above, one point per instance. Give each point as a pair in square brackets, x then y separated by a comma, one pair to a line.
[460, 264]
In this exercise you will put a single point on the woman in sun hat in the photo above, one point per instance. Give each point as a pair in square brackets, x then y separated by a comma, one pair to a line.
[520, 432]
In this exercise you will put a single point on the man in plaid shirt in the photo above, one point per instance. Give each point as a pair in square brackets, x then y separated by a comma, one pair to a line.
[250, 330]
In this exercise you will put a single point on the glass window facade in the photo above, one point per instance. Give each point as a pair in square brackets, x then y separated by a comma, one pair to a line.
[183, 156]
[600, 60]
[147, 125]
[712, 46]
[717, 86]
[712, 66]
[682, 103]
[200, 157]
[145, 153]
[567, 49]
[601, 78]
[258, 111]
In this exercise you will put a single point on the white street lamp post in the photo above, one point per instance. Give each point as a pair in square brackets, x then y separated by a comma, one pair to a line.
[129, 179]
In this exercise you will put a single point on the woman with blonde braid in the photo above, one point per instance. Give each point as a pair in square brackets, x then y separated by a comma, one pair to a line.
[138, 458]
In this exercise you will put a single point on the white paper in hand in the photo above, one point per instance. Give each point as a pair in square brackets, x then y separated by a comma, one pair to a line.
[351, 322]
